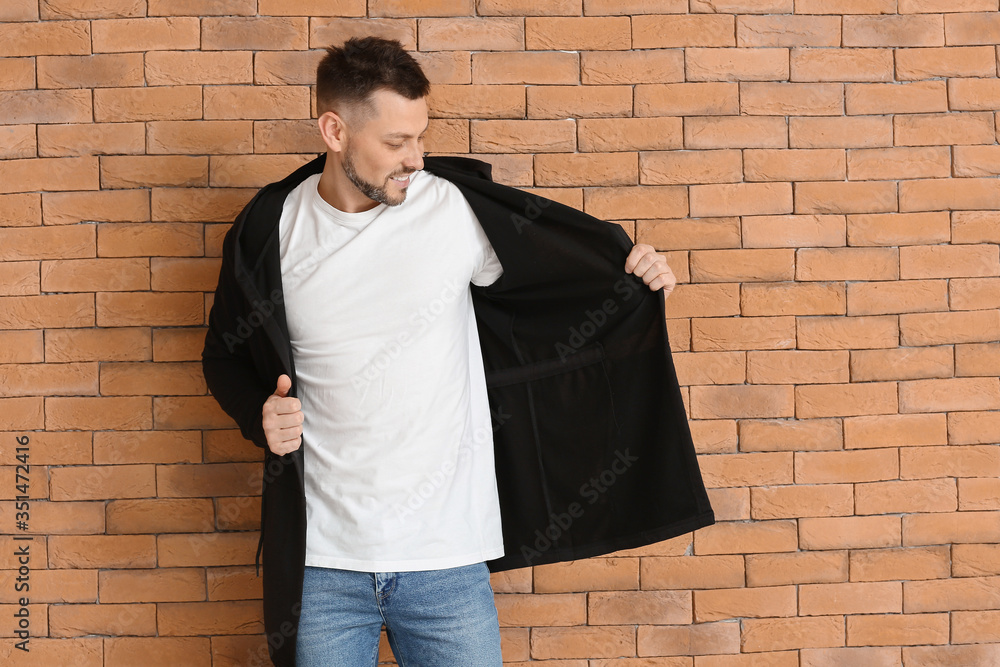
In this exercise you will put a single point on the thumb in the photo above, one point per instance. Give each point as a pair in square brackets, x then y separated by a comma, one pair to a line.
[284, 384]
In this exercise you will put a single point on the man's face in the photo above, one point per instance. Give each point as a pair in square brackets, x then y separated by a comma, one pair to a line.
[382, 150]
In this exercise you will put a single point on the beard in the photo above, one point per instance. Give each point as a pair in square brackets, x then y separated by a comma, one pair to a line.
[379, 193]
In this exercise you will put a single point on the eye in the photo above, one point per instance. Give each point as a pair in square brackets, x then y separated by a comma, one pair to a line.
[395, 145]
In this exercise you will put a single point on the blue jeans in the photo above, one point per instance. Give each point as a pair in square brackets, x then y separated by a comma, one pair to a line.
[433, 618]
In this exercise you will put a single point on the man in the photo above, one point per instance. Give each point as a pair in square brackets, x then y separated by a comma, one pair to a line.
[383, 347]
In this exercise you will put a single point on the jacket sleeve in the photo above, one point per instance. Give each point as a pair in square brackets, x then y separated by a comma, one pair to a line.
[230, 371]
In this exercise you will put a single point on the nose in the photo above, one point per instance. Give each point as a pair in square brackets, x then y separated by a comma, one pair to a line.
[415, 157]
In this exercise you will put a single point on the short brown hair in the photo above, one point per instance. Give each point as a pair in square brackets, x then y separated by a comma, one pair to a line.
[349, 74]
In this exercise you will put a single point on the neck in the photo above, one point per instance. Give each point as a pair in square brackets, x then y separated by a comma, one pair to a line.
[338, 191]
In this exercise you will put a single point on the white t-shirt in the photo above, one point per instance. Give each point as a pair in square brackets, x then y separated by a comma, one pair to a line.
[398, 441]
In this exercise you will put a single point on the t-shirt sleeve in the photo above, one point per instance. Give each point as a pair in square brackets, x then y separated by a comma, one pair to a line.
[488, 267]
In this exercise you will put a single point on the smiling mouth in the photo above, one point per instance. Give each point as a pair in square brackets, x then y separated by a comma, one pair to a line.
[402, 180]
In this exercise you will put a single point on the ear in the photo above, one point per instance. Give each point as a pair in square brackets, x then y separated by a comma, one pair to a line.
[333, 130]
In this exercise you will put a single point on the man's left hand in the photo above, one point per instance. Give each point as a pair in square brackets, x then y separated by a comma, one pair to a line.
[645, 262]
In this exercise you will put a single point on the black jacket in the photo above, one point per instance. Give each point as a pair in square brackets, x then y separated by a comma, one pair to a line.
[592, 447]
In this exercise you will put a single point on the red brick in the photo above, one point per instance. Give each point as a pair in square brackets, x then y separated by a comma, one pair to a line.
[626, 607]
[722, 604]
[90, 139]
[144, 34]
[802, 567]
[92, 275]
[736, 64]
[22, 210]
[153, 103]
[789, 298]
[577, 33]
[977, 161]
[858, 532]
[280, 8]
[585, 641]
[949, 394]
[527, 67]
[941, 261]
[642, 201]
[972, 28]
[714, 436]
[895, 431]
[776, 634]
[841, 64]
[905, 363]
[578, 101]
[949, 461]
[528, 8]
[886, 297]
[977, 359]
[845, 400]
[222, 618]
[324, 32]
[888, 229]
[971, 627]
[797, 367]
[973, 560]
[761, 333]
[789, 502]
[845, 197]
[585, 575]
[478, 101]
[788, 31]
[107, 619]
[794, 165]
[19, 278]
[702, 639]
[53, 38]
[947, 128]
[65, 208]
[689, 233]
[595, 7]
[894, 31]
[614, 134]
[178, 68]
[252, 102]
[689, 572]
[101, 551]
[973, 94]
[742, 265]
[954, 327]
[900, 98]
[189, 412]
[157, 651]
[181, 344]
[486, 34]
[896, 629]
[72, 379]
[519, 610]
[46, 311]
[837, 333]
[56, 9]
[846, 467]
[792, 99]
[952, 594]
[94, 71]
[97, 344]
[19, 10]
[21, 347]
[840, 132]
[894, 564]
[663, 31]
[200, 136]
[950, 61]
[899, 163]
[580, 169]
[198, 204]
[275, 68]
[847, 264]
[153, 447]
[254, 33]
[145, 239]
[686, 167]
[735, 132]
[790, 435]
[741, 199]
[936, 495]
[935, 6]
[206, 550]
[704, 301]
[761, 469]
[69, 173]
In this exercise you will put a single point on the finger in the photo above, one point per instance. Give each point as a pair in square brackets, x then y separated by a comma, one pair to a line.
[284, 385]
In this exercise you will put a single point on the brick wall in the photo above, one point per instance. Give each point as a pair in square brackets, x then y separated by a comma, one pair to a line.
[821, 175]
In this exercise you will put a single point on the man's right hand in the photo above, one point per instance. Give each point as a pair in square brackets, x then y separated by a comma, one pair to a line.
[283, 419]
